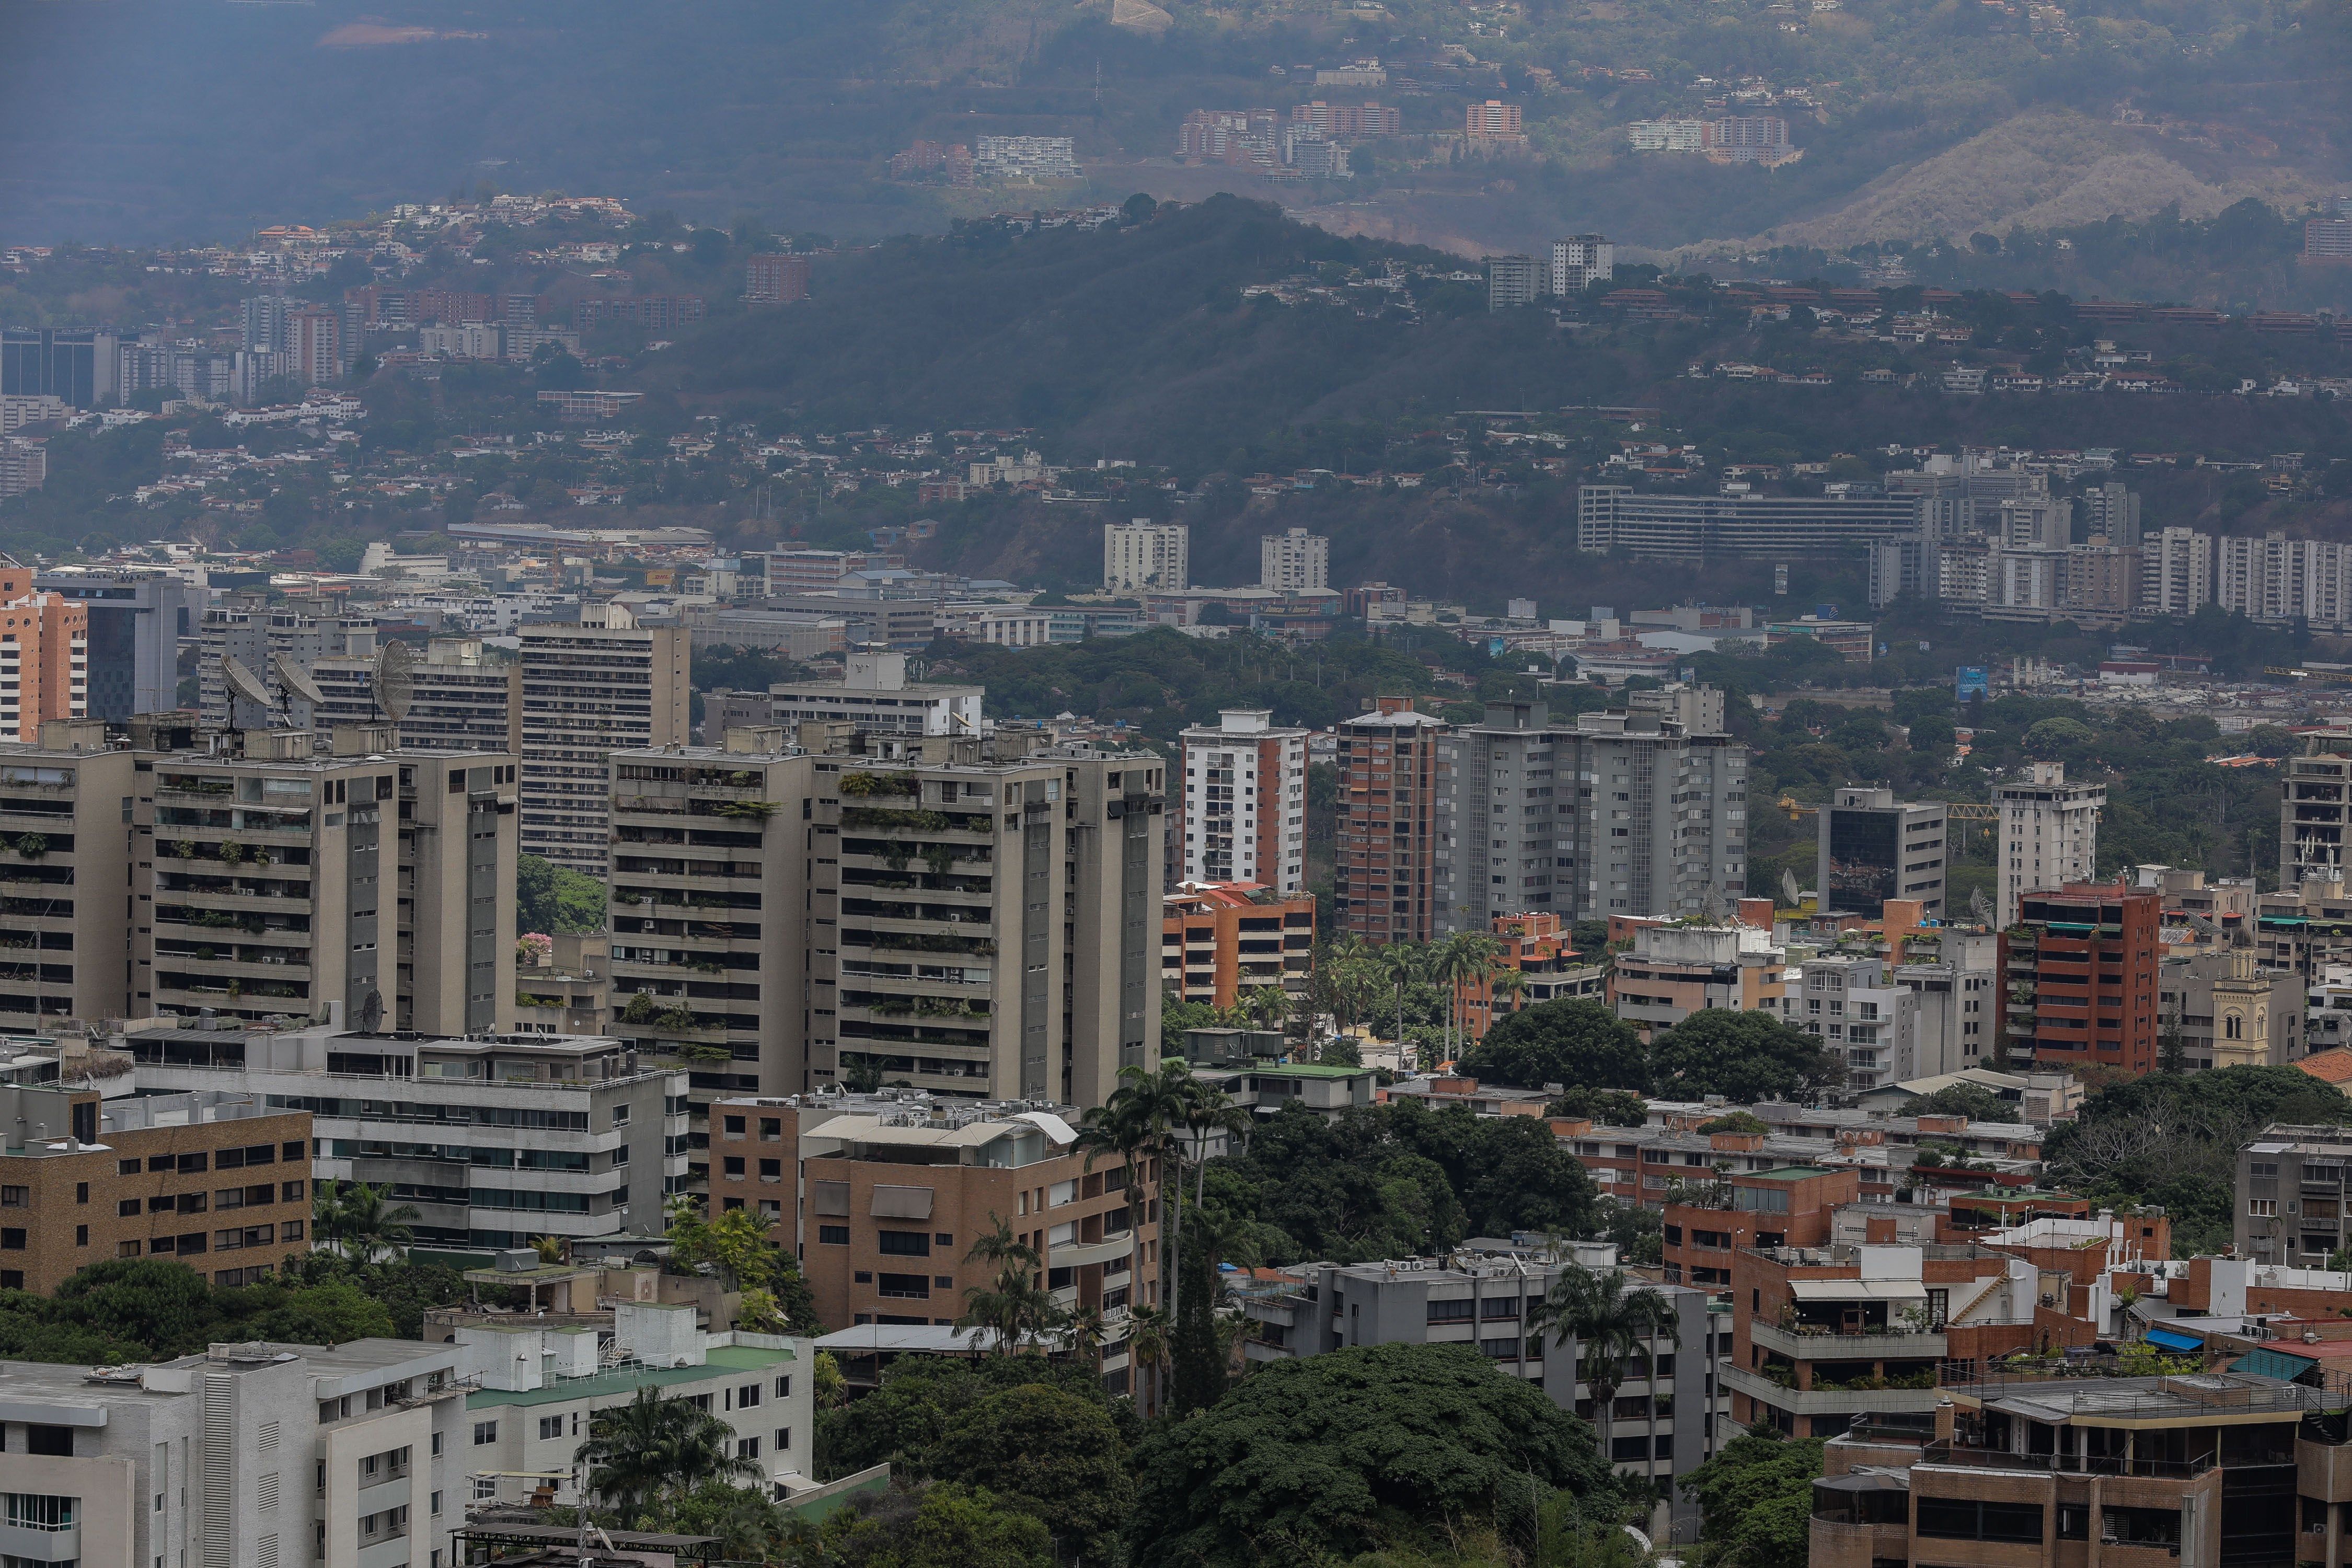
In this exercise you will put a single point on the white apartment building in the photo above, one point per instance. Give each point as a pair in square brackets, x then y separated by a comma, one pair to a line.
[245, 1456]
[1580, 259]
[541, 1387]
[2275, 578]
[1245, 811]
[1147, 557]
[1026, 160]
[1294, 562]
[589, 689]
[2175, 572]
[2049, 833]
[1954, 988]
[1865, 1016]
[873, 694]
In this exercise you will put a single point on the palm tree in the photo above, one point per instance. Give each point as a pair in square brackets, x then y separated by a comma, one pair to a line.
[1608, 1325]
[355, 1218]
[1133, 1124]
[1083, 1332]
[1016, 1307]
[1208, 1113]
[1400, 964]
[1510, 983]
[1463, 959]
[637, 1452]
[1147, 1348]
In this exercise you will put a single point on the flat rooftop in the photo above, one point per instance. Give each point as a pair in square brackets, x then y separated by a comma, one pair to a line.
[721, 1361]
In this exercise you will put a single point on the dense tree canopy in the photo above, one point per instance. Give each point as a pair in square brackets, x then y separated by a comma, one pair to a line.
[1578, 1043]
[1756, 1499]
[1744, 1057]
[149, 1308]
[1048, 1453]
[1349, 1451]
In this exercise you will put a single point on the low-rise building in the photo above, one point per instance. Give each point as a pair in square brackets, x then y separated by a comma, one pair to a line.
[1534, 946]
[1866, 1018]
[1675, 969]
[1221, 939]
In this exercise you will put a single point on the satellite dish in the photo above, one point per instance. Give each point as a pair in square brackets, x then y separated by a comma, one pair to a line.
[392, 685]
[371, 1012]
[1980, 907]
[1791, 894]
[250, 705]
[297, 679]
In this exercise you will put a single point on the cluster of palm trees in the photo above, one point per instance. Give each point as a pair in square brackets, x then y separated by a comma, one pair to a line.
[360, 1222]
[1359, 980]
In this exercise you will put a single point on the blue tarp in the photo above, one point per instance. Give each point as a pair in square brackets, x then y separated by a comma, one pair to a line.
[2173, 1339]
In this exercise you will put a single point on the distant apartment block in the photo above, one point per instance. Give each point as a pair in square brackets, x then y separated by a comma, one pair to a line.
[463, 697]
[1024, 160]
[1356, 73]
[873, 696]
[1734, 138]
[2328, 239]
[591, 689]
[24, 465]
[1513, 280]
[1145, 557]
[1874, 847]
[654, 312]
[1237, 136]
[1297, 560]
[2049, 833]
[1342, 120]
[776, 280]
[1717, 526]
[1244, 802]
[76, 365]
[1494, 124]
[1385, 886]
[44, 656]
[951, 160]
[1580, 260]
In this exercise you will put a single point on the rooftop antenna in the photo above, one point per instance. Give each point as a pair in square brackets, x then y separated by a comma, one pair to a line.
[297, 683]
[250, 704]
[393, 684]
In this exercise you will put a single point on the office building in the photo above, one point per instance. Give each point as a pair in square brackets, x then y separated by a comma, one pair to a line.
[243, 1456]
[137, 619]
[76, 365]
[260, 883]
[1145, 557]
[1294, 562]
[872, 695]
[65, 936]
[776, 280]
[1385, 883]
[244, 625]
[891, 1193]
[1513, 280]
[1874, 847]
[2080, 968]
[1581, 261]
[494, 1138]
[2048, 834]
[1244, 812]
[2314, 811]
[1659, 526]
[210, 1178]
[463, 697]
[1665, 1421]
[1500, 818]
[900, 927]
[535, 1390]
[44, 657]
[591, 687]
[1218, 943]
[2175, 572]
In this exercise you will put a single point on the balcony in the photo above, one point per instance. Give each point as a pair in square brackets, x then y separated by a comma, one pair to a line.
[59, 1543]
[1078, 1255]
[1826, 1401]
[1803, 1344]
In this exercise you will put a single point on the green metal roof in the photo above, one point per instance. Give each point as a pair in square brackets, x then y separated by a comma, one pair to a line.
[1788, 1172]
[724, 1360]
[1309, 1069]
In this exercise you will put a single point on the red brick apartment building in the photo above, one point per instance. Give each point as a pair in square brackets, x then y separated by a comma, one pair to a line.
[1387, 827]
[2081, 967]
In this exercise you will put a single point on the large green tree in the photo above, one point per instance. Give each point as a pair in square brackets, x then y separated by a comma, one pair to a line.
[1046, 1452]
[1351, 1451]
[938, 1526]
[1744, 1057]
[1755, 1499]
[1578, 1043]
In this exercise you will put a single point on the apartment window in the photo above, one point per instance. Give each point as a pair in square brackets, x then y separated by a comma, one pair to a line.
[747, 1397]
[908, 1287]
[905, 1243]
[747, 1447]
[12, 1240]
[437, 1513]
[485, 1432]
[126, 1209]
[832, 1236]
[550, 1426]
[733, 1165]
[783, 1391]
[783, 1440]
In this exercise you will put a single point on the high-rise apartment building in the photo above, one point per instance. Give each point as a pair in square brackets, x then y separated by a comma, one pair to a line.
[2049, 833]
[1513, 280]
[776, 280]
[251, 1454]
[1656, 525]
[1243, 812]
[24, 465]
[2175, 572]
[1294, 562]
[137, 621]
[981, 915]
[1384, 886]
[1874, 847]
[64, 935]
[2314, 811]
[77, 365]
[372, 885]
[317, 352]
[463, 697]
[2081, 966]
[1500, 817]
[1147, 557]
[246, 626]
[1493, 121]
[1662, 815]
[601, 685]
[1581, 260]
[44, 656]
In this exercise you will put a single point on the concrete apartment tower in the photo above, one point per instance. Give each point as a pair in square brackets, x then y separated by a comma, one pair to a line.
[64, 935]
[1147, 557]
[2314, 809]
[1385, 886]
[2048, 834]
[1293, 562]
[1244, 802]
[591, 687]
[1661, 820]
[1498, 818]
[1873, 847]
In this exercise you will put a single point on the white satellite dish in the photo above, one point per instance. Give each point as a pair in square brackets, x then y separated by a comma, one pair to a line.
[297, 679]
[246, 687]
[392, 685]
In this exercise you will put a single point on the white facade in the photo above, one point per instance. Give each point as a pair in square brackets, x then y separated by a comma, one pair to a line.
[1955, 1003]
[874, 694]
[1580, 259]
[2275, 578]
[1147, 557]
[2049, 833]
[2175, 572]
[1245, 803]
[1297, 562]
[1866, 1018]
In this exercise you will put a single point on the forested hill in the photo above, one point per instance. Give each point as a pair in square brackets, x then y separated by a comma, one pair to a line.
[1130, 341]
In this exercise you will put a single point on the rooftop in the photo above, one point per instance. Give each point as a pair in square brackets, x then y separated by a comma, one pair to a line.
[624, 1380]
